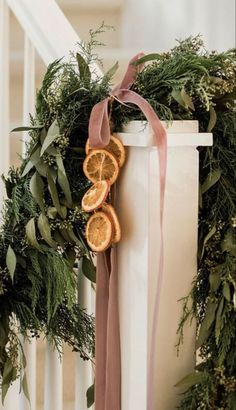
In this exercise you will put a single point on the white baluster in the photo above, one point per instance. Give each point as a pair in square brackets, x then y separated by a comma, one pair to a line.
[29, 87]
[53, 384]
[4, 92]
[28, 106]
[83, 369]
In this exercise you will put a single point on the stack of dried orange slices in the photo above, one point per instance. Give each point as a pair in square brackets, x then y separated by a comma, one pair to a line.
[101, 166]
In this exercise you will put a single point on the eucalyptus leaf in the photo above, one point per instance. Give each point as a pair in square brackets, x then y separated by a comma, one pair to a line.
[9, 375]
[59, 238]
[215, 280]
[207, 322]
[84, 70]
[88, 269]
[111, 72]
[25, 388]
[45, 230]
[52, 134]
[11, 261]
[147, 58]
[52, 212]
[187, 99]
[229, 243]
[219, 322]
[73, 237]
[212, 120]
[226, 291]
[207, 238]
[63, 180]
[90, 396]
[33, 161]
[191, 380]
[212, 178]
[54, 194]
[30, 128]
[37, 190]
[31, 234]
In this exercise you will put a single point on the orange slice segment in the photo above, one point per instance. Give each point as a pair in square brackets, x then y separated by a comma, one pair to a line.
[95, 196]
[99, 165]
[99, 232]
[115, 147]
[110, 211]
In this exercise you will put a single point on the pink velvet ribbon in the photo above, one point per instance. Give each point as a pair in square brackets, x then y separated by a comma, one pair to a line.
[107, 349]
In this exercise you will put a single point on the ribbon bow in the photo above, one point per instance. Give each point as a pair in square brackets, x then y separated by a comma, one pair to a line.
[107, 349]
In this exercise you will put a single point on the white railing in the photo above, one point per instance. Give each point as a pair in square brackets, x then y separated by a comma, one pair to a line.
[47, 31]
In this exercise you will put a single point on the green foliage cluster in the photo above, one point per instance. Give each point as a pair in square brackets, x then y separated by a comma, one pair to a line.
[42, 231]
[189, 83]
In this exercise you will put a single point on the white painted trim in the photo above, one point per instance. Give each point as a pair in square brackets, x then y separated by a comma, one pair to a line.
[48, 29]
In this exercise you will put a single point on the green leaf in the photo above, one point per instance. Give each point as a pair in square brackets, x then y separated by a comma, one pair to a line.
[218, 324]
[73, 237]
[54, 195]
[206, 324]
[45, 230]
[89, 269]
[24, 385]
[35, 127]
[111, 72]
[226, 291]
[212, 178]
[183, 98]
[11, 261]
[148, 57]
[212, 120]
[84, 70]
[207, 238]
[52, 212]
[33, 161]
[229, 243]
[187, 100]
[191, 380]
[71, 256]
[31, 233]
[215, 280]
[63, 180]
[59, 238]
[52, 134]
[9, 375]
[37, 190]
[90, 396]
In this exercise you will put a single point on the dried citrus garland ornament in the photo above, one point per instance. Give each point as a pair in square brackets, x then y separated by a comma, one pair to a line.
[115, 147]
[101, 166]
[95, 196]
[99, 232]
[110, 211]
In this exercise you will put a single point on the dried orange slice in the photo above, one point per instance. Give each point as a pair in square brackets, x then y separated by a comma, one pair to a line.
[110, 211]
[115, 147]
[99, 165]
[99, 231]
[95, 196]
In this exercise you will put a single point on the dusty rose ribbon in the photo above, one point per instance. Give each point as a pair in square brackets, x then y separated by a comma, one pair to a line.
[108, 362]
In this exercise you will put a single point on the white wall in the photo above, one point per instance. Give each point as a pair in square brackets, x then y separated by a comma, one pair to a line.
[155, 24]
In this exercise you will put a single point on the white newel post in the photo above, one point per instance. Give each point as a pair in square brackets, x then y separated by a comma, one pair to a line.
[138, 210]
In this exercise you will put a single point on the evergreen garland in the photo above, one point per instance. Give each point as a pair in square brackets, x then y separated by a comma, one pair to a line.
[42, 234]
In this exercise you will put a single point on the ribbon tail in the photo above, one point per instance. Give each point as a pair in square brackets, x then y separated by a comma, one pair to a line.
[102, 297]
[113, 364]
[99, 127]
[129, 96]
